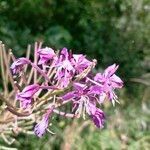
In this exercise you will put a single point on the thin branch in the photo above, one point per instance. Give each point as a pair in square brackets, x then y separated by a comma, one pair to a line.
[2, 68]
[140, 81]
[6, 71]
[35, 60]
[20, 114]
[28, 55]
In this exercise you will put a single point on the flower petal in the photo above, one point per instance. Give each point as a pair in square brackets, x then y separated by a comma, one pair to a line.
[98, 118]
[109, 71]
[116, 81]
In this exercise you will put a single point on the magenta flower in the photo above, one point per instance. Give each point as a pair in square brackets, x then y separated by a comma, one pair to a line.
[64, 62]
[65, 69]
[78, 96]
[41, 127]
[109, 78]
[84, 101]
[27, 94]
[46, 54]
[108, 82]
[80, 62]
[17, 66]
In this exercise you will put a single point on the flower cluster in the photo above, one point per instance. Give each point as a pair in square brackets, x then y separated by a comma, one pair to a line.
[66, 78]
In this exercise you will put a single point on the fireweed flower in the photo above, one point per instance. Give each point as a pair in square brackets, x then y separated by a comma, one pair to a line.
[17, 66]
[41, 127]
[84, 101]
[64, 67]
[66, 78]
[25, 97]
[80, 98]
[109, 82]
[80, 63]
[46, 54]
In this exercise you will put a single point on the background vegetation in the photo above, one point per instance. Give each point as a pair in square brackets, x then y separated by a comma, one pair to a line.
[110, 31]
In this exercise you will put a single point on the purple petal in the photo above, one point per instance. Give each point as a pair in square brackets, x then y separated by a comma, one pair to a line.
[102, 98]
[99, 77]
[64, 82]
[64, 52]
[116, 81]
[25, 97]
[80, 62]
[79, 86]
[46, 54]
[98, 118]
[64, 68]
[66, 64]
[95, 89]
[17, 66]
[68, 96]
[25, 103]
[91, 108]
[30, 90]
[109, 71]
[41, 127]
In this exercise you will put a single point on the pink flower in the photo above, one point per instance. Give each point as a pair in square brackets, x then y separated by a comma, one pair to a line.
[64, 68]
[41, 127]
[109, 78]
[27, 94]
[108, 82]
[46, 54]
[17, 66]
[80, 62]
[83, 100]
